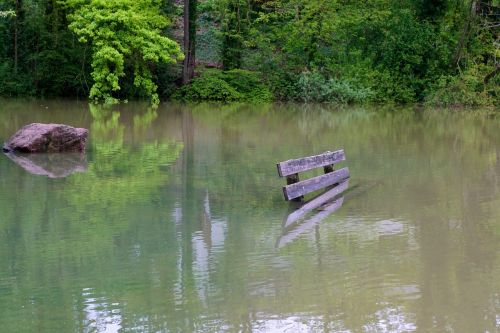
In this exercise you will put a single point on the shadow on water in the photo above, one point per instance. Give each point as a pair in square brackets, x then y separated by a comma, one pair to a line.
[294, 223]
[307, 215]
[56, 165]
[290, 234]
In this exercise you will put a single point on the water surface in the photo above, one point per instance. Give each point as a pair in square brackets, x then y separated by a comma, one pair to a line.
[174, 224]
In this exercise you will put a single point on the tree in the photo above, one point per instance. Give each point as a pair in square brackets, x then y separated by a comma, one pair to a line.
[126, 37]
[19, 16]
[235, 25]
[190, 15]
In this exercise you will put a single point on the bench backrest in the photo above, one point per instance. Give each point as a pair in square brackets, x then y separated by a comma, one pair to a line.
[297, 189]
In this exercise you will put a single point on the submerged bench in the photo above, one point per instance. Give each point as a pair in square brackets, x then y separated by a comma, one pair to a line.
[296, 189]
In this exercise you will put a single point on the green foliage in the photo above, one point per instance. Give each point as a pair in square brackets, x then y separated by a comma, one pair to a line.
[234, 19]
[38, 54]
[11, 84]
[396, 50]
[439, 51]
[208, 46]
[232, 85]
[7, 13]
[167, 76]
[125, 36]
[477, 82]
[207, 87]
[466, 90]
[314, 87]
[409, 56]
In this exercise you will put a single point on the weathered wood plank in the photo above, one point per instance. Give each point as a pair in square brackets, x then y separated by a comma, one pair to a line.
[289, 167]
[312, 184]
[292, 179]
[315, 203]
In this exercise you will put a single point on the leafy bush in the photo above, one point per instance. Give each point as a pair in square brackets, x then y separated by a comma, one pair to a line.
[217, 85]
[283, 85]
[314, 87]
[12, 84]
[207, 88]
[465, 90]
[394, 87]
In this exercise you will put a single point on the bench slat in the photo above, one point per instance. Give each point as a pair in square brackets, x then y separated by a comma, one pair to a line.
[312, 184]
[307, 163]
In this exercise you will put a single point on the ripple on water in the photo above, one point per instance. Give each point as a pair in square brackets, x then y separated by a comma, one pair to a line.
[391, 319]
[100, 315]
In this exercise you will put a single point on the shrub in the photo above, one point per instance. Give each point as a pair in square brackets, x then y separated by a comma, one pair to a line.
[465, 90]
[232, 85]
[314, 87]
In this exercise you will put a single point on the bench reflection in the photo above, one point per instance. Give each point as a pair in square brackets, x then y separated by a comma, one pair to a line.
[311, 213]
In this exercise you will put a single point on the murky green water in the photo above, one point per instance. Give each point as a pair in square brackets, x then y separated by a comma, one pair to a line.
[173, 223]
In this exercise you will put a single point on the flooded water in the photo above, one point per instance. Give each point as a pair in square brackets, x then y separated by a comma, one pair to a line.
[172, 222]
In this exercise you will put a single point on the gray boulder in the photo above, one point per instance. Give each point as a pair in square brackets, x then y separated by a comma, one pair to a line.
[47, 138]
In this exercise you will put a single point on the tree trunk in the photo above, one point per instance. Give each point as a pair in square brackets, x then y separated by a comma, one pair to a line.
[16, 36]
[189, 40]
[15, 47]
[465, 34]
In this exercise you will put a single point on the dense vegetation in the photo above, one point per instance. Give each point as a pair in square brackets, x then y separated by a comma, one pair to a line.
[441, 52]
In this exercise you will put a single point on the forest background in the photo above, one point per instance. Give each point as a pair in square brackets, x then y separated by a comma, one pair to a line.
[437, 52]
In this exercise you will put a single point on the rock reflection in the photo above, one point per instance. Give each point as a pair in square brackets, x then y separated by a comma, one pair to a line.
[56, 165]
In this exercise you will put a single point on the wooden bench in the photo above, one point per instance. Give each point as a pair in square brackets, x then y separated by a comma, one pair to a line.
[296, 189]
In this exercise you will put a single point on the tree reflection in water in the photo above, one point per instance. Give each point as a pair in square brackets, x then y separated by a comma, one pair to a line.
[173, 227]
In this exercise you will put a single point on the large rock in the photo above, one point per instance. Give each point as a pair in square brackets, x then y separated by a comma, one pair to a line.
[47, 138]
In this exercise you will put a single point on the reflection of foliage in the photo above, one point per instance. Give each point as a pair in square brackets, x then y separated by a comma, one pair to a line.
[143, 121]
[110, 154]
[112, 229]
[74, 222]
[105, 125]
